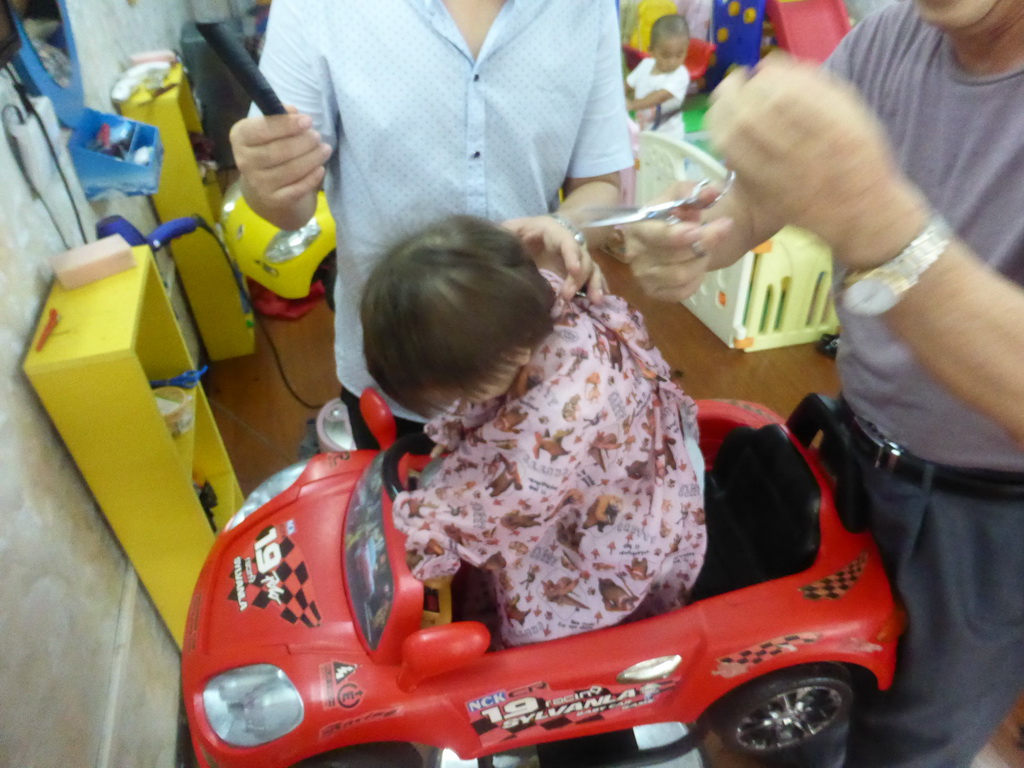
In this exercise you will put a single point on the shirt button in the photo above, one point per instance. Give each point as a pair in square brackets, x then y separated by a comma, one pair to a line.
[475, 155]
[476, 78]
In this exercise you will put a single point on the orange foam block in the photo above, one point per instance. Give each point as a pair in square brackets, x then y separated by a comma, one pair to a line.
[88, 263]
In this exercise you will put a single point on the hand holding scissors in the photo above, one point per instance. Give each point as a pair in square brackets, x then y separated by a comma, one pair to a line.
[666, 211]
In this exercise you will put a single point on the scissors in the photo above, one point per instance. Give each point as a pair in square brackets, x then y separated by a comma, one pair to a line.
[606, 217]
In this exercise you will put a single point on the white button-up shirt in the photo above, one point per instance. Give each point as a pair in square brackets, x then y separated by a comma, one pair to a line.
[422, 129]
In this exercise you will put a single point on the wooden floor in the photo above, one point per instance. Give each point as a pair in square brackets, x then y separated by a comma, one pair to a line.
[263, 425]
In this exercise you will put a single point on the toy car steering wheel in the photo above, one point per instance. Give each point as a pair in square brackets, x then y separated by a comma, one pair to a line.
[393, 470]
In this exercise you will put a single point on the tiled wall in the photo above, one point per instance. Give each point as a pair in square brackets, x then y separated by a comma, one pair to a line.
[89, 675]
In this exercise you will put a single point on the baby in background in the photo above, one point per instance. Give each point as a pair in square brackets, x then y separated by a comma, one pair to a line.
[572, 474]
[657, 86]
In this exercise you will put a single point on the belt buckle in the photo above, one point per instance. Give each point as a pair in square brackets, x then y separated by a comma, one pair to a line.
[889, 453]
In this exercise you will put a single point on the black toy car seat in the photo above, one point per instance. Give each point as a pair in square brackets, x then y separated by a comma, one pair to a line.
[761, 507]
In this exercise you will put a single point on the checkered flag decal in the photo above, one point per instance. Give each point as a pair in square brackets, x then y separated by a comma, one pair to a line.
[288, 586]
[757, 653]
[839, 583]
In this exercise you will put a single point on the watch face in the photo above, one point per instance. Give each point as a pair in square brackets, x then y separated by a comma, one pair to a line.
[869, 296]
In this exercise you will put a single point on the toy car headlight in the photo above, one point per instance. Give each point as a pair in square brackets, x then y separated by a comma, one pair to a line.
[252, 705]
[231, 198]
[277, 483]
[287, 245]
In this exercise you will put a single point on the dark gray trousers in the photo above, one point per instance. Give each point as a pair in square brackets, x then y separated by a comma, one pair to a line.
[958, 566]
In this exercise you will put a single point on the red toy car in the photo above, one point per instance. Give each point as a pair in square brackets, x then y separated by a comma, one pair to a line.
[304, 643]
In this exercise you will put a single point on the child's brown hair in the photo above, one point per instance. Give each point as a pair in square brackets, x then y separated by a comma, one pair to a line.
[447, 307]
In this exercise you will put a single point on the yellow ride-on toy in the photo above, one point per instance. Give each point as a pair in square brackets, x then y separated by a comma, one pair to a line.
[285, 262]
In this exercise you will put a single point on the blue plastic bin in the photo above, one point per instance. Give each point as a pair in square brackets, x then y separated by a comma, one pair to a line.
[104, 175]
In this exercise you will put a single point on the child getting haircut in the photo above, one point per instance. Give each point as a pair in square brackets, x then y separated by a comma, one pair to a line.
[572, 472]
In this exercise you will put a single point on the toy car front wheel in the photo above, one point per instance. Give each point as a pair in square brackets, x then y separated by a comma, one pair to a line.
[784, 709]
[367, 756]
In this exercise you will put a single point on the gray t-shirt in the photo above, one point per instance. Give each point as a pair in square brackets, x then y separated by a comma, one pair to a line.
[960, 139]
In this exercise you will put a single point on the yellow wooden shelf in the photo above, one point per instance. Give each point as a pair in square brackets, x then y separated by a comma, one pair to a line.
[185, 444]
[92, 374]
[225, 326]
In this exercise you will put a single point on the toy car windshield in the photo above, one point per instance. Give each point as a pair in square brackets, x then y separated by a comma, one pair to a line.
[367, 566]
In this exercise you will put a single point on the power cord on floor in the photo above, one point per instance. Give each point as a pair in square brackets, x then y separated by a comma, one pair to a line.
[280, 369]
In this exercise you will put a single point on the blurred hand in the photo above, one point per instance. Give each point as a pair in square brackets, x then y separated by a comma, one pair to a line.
[281, 158]
[670, 260]
[807, 150]
[552, 246]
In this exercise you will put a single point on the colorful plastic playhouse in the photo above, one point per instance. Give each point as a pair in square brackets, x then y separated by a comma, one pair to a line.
[649, 11]
[737, 31]
[808, 29]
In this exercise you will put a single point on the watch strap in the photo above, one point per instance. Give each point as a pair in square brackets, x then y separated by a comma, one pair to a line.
[900, 273]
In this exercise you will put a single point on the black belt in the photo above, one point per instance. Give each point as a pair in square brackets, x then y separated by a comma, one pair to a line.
[891, 457]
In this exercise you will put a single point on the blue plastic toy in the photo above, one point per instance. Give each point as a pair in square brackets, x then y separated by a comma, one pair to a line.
[737, 30]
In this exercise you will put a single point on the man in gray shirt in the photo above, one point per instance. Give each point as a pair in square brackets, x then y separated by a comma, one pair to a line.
[913, 171]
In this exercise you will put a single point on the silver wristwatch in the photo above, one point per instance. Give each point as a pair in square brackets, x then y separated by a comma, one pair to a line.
[877, 290]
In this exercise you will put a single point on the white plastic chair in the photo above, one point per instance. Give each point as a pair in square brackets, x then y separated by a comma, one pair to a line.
[663, 160]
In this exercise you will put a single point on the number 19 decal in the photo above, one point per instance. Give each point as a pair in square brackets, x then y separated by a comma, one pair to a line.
[517, 708]
[268, 551]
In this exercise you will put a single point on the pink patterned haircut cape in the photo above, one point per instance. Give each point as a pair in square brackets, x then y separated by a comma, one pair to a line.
[575, 489]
